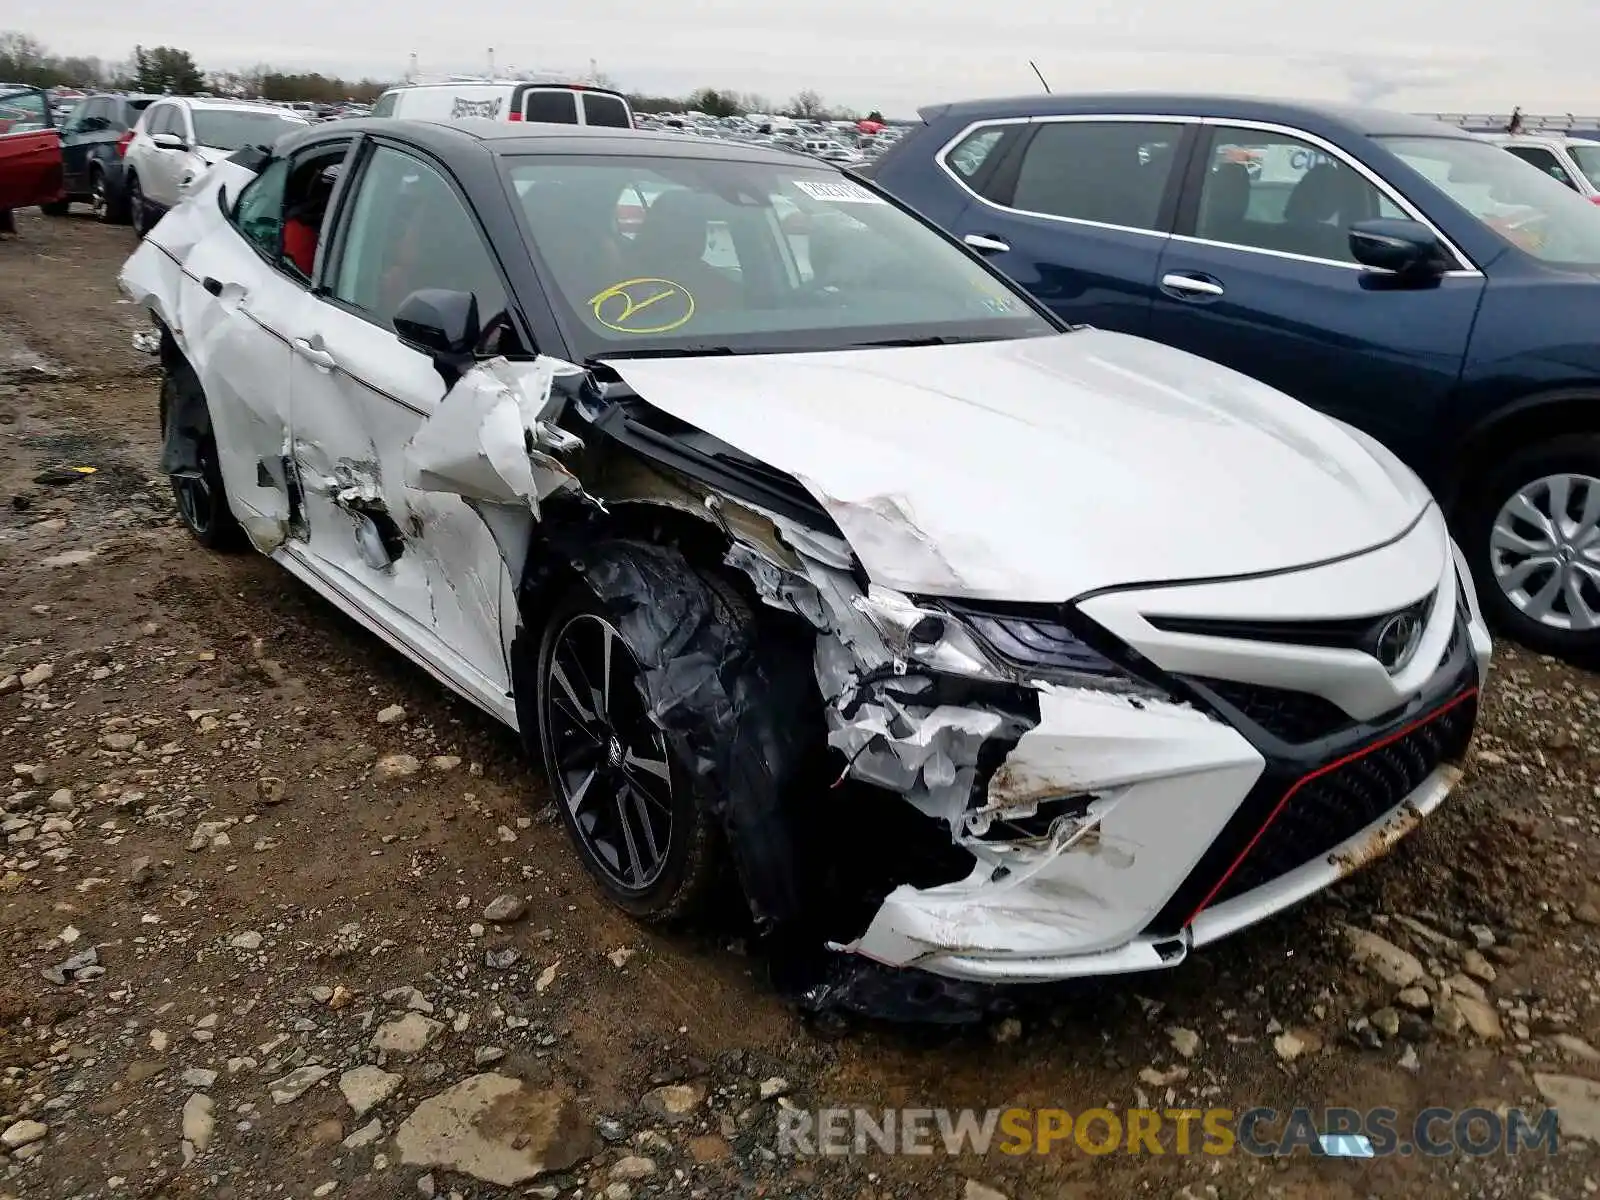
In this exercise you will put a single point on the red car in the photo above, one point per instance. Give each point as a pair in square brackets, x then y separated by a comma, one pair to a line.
[30, 150]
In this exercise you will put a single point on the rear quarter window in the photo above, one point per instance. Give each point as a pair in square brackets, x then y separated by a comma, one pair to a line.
[607, 111]
[385, 105]
[555, 107]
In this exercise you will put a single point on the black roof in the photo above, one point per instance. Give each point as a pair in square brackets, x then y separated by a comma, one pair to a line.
[521, 138]
[1313, 116]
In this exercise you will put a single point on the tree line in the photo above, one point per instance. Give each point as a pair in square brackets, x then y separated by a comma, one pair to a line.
[169, 69]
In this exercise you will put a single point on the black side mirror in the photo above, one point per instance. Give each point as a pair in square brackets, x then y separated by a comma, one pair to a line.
[442, 324]
[1404, 247]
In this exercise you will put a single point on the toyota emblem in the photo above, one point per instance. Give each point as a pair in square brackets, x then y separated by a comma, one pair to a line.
[1397, 641]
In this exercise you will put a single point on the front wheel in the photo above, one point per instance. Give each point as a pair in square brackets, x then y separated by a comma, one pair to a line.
[1532, 533]
[643, 833]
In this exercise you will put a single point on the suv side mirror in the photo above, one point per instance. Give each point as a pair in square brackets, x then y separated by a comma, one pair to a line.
[1404, 247]
[168, 141]
[442, 324]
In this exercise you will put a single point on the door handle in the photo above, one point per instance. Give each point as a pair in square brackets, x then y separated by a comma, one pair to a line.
[985, 244]
[315, 355]
[212, 285]
[1191, 285]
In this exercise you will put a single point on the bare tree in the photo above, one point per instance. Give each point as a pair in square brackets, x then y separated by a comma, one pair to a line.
[807, 104]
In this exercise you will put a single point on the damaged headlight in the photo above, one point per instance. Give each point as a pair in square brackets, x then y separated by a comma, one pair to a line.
[964, 639]
[927, 636]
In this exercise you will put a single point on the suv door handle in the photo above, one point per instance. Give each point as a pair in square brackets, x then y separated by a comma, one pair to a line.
[1191, 287]
[985, 244]
[315, 355]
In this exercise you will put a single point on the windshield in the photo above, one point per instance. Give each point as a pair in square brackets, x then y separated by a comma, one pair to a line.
[1588, 159]
[235, 130]
[1529, 209]
[656, 254]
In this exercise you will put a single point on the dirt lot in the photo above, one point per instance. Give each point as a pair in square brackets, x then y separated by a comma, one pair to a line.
[210, 894]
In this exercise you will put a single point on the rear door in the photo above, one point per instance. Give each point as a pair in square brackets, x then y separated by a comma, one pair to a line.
[77, 139]
[1075, 209]
[30, 149]
[1260, 278]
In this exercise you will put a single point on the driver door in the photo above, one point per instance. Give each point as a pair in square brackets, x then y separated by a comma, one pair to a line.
[30, 150]
[422, 564]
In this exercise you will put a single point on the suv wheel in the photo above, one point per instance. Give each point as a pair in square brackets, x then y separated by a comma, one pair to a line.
[641, 823]
[1534, 541]
[100, 198]
[202, 499]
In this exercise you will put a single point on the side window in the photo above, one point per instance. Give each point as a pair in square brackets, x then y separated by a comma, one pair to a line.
[22, 112]
[259, 212]
[385, 105]
[967, 157]
[557, 106]
[409, 230]
[156, 119]
[608, 111]
[1545, 160]
[1112, 172]
[1270, 191]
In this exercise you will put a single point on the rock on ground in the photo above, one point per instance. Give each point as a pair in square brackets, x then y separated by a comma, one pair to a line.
[495, 1129]
[1576, 1099]
[367, 1087]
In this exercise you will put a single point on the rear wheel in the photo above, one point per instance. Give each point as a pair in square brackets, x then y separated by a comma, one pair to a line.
[138, 215]
[1533, 536]
[100, 202]
[202, 498]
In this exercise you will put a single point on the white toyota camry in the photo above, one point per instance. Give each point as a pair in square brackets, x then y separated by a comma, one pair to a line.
[805, 551]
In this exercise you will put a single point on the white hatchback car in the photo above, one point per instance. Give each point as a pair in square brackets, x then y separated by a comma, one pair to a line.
[179, 138]
[960, 640]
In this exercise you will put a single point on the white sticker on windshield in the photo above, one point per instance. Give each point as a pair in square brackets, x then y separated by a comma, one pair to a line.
[840, 191]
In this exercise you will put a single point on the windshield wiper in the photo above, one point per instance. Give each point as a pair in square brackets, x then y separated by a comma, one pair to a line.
[658, 352]
[932, 340]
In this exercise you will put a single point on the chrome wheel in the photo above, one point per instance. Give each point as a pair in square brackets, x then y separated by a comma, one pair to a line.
[610, 760]
[136, 206]
[1544, 550]
[97, 196]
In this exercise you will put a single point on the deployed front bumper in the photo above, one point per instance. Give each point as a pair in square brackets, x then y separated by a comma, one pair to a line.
[1211, 816]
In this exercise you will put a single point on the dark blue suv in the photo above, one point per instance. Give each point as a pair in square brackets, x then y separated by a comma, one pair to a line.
[1396, 273]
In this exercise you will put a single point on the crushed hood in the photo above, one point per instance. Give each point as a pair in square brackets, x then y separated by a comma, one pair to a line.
[1043, 468]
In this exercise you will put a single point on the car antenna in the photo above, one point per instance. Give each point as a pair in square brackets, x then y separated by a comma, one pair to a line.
[1040, 74]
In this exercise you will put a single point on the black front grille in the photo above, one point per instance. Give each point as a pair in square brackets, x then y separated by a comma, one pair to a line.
[1296, 717]
[1336, 803]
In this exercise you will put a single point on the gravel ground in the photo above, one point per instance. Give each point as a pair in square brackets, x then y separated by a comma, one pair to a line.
[280, 916]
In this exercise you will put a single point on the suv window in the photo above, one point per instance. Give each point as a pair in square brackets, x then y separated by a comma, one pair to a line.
[608, 111]
[1545, 160]
[385, 105]
[161, 119]
[409, 230]
[1111, 172]
[1270, 191]
[259, 212]
[557, 106]
[967, 157]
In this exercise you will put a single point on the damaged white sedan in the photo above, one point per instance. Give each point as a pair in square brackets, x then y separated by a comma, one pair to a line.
[808, 552]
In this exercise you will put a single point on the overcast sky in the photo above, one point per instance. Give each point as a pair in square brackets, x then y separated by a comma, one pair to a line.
[895, 54]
